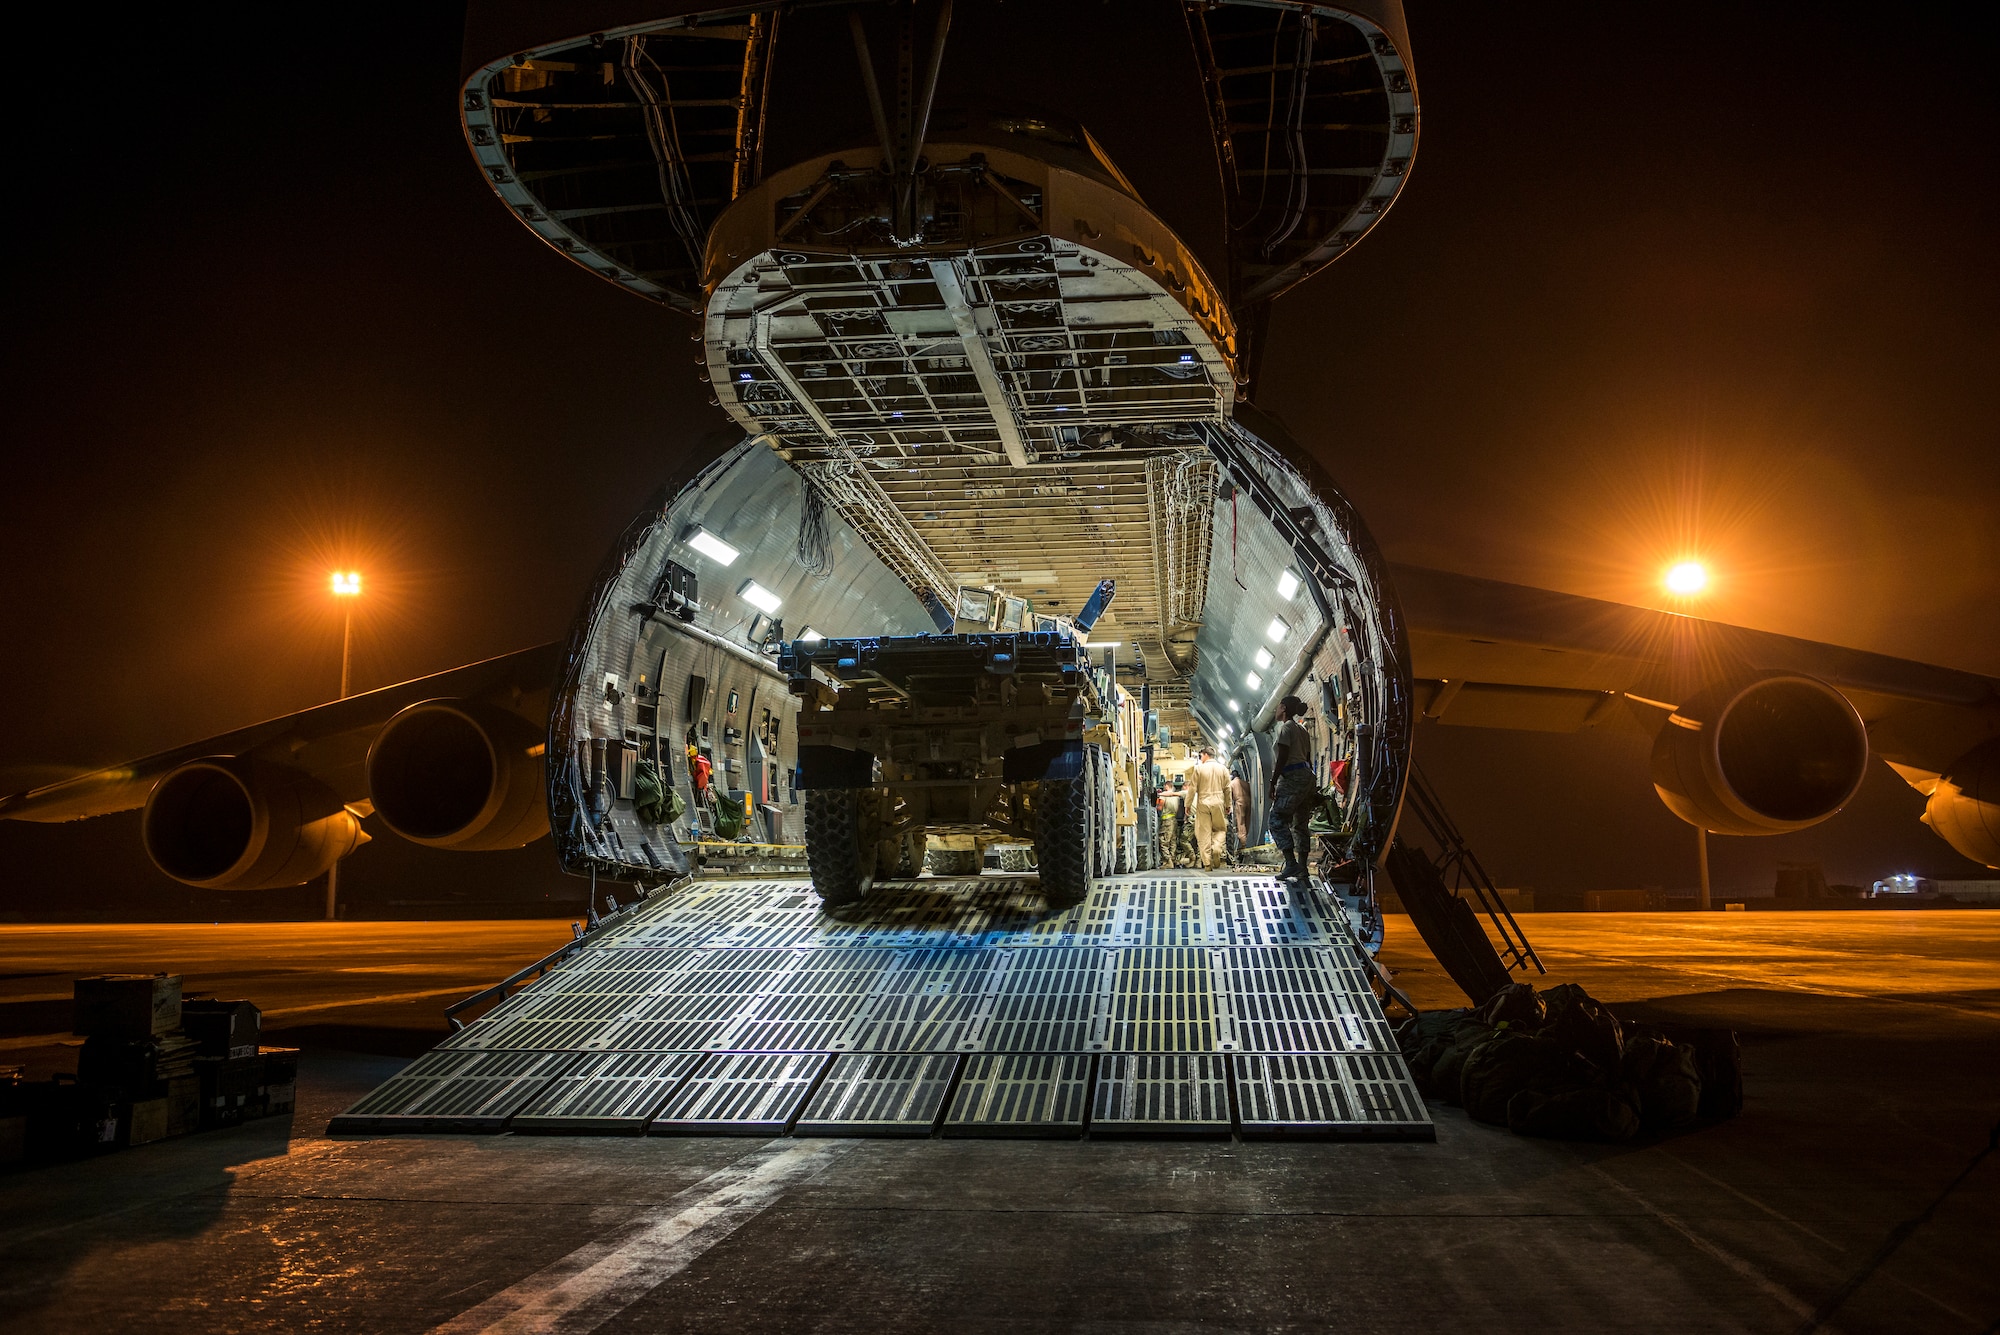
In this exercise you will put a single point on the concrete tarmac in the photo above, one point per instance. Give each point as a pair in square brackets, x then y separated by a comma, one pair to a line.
[1850, 1195]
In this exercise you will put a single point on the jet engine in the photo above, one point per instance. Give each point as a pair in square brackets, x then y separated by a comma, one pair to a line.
[459, 774]
[238, 823]
[1762, 754]
[1964, 807]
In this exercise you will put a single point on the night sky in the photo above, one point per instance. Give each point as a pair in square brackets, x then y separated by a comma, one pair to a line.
[1666, 279]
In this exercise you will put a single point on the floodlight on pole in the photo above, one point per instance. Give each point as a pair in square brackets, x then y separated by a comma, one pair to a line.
[1686, 578]
[346, 588]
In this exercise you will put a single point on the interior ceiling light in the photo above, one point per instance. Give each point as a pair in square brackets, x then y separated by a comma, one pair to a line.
[758, 596]
[1235, 708]
[714, 548]
[1276, 631]
[811, 636]
[1264, 658]
[1288, 584]
[1252, 680]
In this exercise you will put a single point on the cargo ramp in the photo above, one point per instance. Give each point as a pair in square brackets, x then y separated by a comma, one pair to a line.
[1171, 1004]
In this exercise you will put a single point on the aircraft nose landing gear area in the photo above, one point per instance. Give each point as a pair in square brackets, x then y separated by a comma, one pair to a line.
[1170, 1005]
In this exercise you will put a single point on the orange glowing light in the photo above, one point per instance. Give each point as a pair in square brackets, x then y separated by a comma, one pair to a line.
[1687, 578]
[347, 583]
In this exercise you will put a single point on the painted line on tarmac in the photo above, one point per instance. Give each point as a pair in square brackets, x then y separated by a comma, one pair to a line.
[1771, 1289]
[599, 1280]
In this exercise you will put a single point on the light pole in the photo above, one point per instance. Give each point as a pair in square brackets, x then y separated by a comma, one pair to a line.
[1701, 900]
[346, 588]
[1687, 580]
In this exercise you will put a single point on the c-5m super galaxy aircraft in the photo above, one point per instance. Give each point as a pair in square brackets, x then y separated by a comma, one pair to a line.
[1002, 531]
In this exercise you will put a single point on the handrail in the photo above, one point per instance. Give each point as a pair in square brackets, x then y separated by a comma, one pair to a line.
[1457, 860]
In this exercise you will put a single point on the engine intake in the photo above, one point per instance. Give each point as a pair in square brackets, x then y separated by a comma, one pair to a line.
[237, 823]
[459, 774]
[1761, 755]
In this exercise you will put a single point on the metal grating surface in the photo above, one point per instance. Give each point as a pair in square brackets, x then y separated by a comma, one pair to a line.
[720, 1007]
[1161, 1093]
[741, 1093]
[611, 1093]
[456, 1091]
[879, 1094]
[1310, 1094]
[1021, 1094]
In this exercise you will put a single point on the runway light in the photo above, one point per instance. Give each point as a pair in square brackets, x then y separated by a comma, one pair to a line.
[714, 548]
[1264, 659]
[1687, 578]
[1288, 584]
[759, 597]
[1252, 680]
[1277, 630]
[347, 583]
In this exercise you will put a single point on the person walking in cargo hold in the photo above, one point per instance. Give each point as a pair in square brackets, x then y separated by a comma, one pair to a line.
[1208, 793]
[1293, 791]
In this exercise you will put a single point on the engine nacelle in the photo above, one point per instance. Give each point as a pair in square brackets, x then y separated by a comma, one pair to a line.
[1964, 807]
[237, 823]
[1765, 754]
[459, 774]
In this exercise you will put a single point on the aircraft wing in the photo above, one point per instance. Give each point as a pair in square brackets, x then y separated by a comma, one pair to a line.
[1495, 655]
[329, 741]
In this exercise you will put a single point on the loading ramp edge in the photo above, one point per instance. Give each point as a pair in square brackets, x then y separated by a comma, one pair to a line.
[1222, 1003]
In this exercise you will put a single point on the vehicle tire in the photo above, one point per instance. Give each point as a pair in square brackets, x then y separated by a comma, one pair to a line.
[1066, 839]
[1107, 817]
[1128, 851]
[841, 849]
[1017, 857]
[954, 861]
[903, 857]
[1149, 837]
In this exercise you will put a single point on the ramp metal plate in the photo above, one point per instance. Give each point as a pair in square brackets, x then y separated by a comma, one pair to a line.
[721, 1006]
[1161, 1094]
[879, 1094]
[741, 1094]
[1311, 1094]
[1021, 1094]
[456, 1091]
[611, 1093]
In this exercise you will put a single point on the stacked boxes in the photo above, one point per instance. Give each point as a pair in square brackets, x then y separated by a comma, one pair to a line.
[153, 1065]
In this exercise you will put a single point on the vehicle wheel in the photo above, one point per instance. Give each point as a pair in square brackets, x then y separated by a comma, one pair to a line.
[1107, 806]
[1066, 838]
[1149, 837]
[954, 861]
[1103, 830]
[1127, 856]
[904, 855]
[1017, 857]
[840, 842]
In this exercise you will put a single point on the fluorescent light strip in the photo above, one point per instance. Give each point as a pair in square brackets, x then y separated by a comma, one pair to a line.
[759, 597]
[714, 548]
